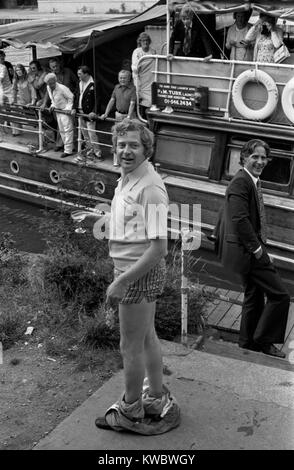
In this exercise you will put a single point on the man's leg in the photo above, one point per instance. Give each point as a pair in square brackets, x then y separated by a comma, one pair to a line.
[252, 309]
[66, 132]
[93, 137]
[153, 360]
[136, 321]
[272, 323]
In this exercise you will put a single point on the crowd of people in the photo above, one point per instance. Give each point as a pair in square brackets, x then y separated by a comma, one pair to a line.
[76, 93]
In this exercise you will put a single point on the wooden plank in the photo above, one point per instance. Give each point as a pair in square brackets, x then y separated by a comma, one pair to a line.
[219, 313]
[231, 316]
[290, 321]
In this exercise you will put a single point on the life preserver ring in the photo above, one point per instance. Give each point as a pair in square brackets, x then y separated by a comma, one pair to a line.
[287, 99]
[272, 90]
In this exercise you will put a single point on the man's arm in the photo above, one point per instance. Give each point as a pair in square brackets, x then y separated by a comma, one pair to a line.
[108, 108]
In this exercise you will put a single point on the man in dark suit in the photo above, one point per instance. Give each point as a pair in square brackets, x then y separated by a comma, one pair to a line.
[240, 243]
[86, 103]
[189, 37]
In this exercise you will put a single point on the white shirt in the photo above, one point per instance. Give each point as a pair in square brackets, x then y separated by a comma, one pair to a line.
[61, 97]
[255, 182]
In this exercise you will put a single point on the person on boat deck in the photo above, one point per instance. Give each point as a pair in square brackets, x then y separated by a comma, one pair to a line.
[61, 98]
[123, 98]
[85, 103]
[36, 77]
[235, 40]
[143, 41]
[7, 64]
[5, 82]
[139, 275]
[241, 236]
[189, 37]
[266, 36]
[23, 93]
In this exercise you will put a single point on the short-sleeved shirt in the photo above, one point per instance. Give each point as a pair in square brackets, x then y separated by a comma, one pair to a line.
[138, 215]
[123, 95]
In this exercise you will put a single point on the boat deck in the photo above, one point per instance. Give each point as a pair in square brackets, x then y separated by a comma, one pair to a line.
[226, 315]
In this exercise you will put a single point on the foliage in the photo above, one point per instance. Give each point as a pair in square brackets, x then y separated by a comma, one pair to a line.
[11, 262]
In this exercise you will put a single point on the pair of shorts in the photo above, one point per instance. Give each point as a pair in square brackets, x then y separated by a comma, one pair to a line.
[148, 287]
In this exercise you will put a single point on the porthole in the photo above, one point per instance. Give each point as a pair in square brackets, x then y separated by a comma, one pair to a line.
[54, 176]
[14, 166]
[100, 187]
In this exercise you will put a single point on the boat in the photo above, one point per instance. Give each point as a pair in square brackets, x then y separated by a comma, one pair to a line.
[202, 113]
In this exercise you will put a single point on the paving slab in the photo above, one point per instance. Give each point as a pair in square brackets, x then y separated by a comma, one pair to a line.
[225, 403]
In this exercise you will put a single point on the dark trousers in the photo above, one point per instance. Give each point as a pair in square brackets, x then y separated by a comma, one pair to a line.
[263, 322]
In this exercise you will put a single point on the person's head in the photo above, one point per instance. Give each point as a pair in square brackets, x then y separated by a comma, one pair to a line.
[186, 16]
[242, 18]
[50, 79]
[124, 77]
[54, 65]
[144, 40]
[83, 73]
[35, 66]
[20, 72]
[254, 156]
[132, 143]
[266, 21]
[2, 56]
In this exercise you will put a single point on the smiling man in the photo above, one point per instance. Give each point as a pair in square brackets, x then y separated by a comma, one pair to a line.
[241, 245]
[138, 246]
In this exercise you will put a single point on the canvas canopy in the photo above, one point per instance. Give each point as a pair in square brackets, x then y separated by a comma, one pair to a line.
[75, 37]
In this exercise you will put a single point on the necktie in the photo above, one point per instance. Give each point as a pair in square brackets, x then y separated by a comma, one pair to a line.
[261, 212]
[187, 41]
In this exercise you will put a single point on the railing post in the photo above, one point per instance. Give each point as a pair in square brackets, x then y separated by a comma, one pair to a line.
[40, 131]
[79, 135]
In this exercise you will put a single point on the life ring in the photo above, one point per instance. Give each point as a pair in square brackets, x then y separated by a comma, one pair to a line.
[272, 90]
[100, 187]
[287, 99]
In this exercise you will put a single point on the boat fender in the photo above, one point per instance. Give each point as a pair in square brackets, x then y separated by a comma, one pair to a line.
[272, 90]
[14, 167]
[100, 187]
[54, 176]
[287, 100]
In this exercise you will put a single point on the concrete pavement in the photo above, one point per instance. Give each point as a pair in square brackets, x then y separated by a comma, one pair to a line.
[226, 403]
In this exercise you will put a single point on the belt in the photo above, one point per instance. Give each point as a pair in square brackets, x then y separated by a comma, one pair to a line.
[122, 112]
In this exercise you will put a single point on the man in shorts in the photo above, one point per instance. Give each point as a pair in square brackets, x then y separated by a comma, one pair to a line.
[138, 245]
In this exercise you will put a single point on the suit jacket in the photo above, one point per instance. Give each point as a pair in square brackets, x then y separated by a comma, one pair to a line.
[88, 100]
[201, 43]
[238, 227]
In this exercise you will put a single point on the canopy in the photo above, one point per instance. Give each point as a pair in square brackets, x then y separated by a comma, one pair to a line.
[77, 36]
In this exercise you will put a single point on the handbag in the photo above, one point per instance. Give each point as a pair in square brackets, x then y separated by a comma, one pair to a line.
[281, 54]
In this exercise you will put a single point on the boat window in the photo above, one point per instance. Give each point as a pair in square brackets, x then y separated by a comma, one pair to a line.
[184, 150]
[277, 173]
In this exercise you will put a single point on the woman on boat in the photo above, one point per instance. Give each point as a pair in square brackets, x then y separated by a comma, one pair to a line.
[267, 37]
[36, 77]
[143, 41]
[235, 42]
[142, 73]
[23, 93]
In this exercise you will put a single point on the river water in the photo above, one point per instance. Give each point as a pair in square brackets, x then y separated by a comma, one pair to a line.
[22, 220]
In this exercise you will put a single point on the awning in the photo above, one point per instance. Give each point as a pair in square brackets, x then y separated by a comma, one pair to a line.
[68, 36]
[75, 37]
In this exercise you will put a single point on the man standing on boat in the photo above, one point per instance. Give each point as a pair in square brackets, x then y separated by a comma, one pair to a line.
[61, 99]
[138, 245]
[123, 97]
[86, 104]
[240, 242]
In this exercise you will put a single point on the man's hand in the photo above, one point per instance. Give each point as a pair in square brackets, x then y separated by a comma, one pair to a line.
[92, 116]
[116, 291]
[103, 116]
